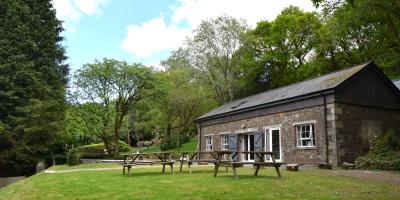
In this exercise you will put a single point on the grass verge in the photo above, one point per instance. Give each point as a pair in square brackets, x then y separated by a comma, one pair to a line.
[150, 183]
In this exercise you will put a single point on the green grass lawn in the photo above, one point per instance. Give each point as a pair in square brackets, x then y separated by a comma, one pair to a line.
[84, 166]
[188, 146]
[150, 183]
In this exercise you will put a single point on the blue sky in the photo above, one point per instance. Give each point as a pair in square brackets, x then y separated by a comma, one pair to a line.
[146, 31]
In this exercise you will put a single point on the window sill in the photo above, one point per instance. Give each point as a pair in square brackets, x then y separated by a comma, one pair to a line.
[306, 148]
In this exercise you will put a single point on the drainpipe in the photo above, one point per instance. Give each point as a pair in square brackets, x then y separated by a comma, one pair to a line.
[199, 137]
[326, 130]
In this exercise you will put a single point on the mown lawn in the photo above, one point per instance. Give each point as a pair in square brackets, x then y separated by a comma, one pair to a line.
[150, 183]
[84, 166]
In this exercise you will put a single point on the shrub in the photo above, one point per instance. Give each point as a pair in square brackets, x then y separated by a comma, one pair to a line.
[73, 157]
[384, 153]
[171, 141]
[124, 147]
[60, 159]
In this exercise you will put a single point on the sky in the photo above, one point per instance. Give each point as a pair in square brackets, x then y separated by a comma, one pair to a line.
[146, 31]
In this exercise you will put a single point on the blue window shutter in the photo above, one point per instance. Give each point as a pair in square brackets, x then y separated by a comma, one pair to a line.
[258, 141]
[232, 144]
[258, 144]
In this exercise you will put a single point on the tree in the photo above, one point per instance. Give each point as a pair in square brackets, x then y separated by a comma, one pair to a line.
[109, 89]
[186, 98]
[92, 97]
[32, 84]
[131, 83]
[363, 30]
[74, 127]
[281, 49]
[212, 52]
[90, 120]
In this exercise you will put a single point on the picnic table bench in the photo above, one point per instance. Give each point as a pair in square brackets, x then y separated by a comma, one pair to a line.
[258, 163]
[199, 157]
[164, 158]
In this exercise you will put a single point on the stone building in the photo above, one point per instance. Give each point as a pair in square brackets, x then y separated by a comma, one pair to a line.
[328, 119]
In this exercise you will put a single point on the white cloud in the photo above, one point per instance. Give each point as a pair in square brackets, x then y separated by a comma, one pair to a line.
[153, 36]
[66, 10]
[157, 36]
[194, 11]
[90, 7]
[70, 11]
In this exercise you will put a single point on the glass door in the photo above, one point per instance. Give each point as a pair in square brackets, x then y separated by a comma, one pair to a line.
[248, 145]
[273, 143]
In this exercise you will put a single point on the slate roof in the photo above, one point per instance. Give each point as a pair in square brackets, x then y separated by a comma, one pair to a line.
[307, 87]
[397, 83]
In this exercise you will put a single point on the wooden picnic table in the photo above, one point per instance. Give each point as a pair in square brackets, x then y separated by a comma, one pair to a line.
[199, 157]
[164, 158]
[258, 163]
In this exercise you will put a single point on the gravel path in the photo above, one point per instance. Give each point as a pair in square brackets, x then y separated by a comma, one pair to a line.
[390, 177]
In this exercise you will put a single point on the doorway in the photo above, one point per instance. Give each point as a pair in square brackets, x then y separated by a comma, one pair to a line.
[248, 145]
[273, 143]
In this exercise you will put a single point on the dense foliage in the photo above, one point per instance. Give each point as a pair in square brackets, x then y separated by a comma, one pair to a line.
[384, 153]
[73, 157]
[174, 141]
[212, 52]
[32, 84]
[105, 91]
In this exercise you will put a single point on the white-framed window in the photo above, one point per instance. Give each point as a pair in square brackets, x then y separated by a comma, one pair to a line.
[305, 135]
[209, 142]
[224, 142]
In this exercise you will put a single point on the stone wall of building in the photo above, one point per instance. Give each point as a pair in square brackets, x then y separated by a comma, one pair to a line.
[332, 112]
[364, 108]
[369, 89]
[285, 120]
[357, 126]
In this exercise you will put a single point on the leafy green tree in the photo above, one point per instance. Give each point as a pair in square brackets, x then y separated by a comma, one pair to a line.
[90, 122]
[212, 52]
[74, 127]
[32, 84]
[187, 97]
[131, 83]
[362, 30]
[277, 52]
[92, 96]
[109, 89]
[147, 121]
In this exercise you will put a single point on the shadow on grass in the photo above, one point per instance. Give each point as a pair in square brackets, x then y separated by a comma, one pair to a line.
[209, 172]
[141, 173]
[248, 176]
[197, 171]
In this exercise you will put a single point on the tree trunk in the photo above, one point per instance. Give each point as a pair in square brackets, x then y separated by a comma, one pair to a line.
[118, 122]
[116, 140]
[107, 146]
[168, 130]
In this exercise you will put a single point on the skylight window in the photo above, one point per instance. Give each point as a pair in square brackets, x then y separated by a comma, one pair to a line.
[239, 104]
